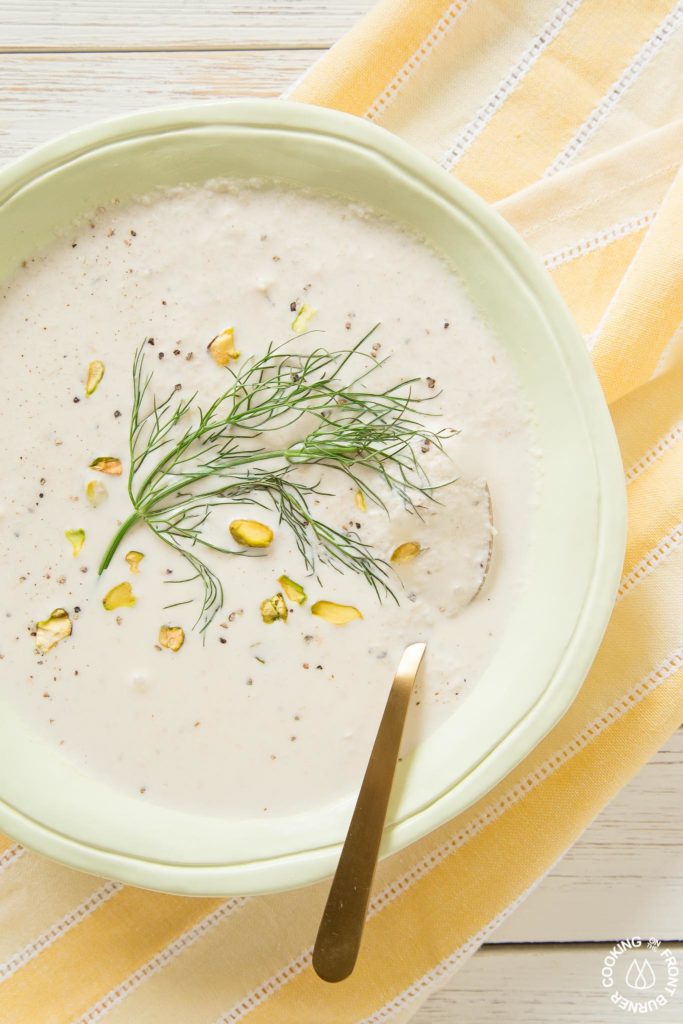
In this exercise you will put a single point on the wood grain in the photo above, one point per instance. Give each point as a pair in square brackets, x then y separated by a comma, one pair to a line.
[625, 874]
[43, 95]
[43, 25]
[536, 985]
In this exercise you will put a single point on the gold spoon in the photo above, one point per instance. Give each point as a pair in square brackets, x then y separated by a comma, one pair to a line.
[341, 928]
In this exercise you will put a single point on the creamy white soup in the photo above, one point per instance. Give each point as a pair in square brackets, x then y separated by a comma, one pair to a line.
[364, 479]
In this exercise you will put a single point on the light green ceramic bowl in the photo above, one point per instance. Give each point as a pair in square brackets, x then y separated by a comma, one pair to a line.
[578, 533]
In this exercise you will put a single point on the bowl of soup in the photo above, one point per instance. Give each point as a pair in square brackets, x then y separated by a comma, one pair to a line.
[281, 397]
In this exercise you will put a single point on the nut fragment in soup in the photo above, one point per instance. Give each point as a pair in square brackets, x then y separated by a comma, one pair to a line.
[222, 348]
[337, 614]
[94, 376]
[50, 631]
[96, 493]
[134, 558]
[274, 609]
[172, 637]
[360, 501]
[405, 552]
[120, 596]
[303, 318]
[76, 539]
[250, 533]
[294, 591]
[107, 464]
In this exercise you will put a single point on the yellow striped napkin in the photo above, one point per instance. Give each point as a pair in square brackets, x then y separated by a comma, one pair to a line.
[563, 115]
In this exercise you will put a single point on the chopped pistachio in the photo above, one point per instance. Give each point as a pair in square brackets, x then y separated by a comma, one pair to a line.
[360, 501]
[94, 376]
[294, 591]
[274, 608]
[406, 552]
[134, 558]
[96, 493]
[222, 347]
[337, 614]
[251, 533]
[172, 637]
[107, 464]
[303, 318]
[120, 596]
[50, 631]
[76, 539]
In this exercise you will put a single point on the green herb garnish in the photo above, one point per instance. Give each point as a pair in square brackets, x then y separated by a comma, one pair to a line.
[218, 456]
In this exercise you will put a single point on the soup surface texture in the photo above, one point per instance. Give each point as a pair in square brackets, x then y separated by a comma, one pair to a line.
[248, 716]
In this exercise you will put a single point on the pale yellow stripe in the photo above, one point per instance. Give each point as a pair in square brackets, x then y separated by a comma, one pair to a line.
[587, 198]
[655, 99]
[629, 649]
[542, 115]
[645, 415]
[235, 957]
[589, 283]
[95, 955]
[363, 63]
[648, 306]
[439, 913]
[655, 506]
[672, 356]
[652, 561]
[667, 34]
[55, 890]
[447, 90]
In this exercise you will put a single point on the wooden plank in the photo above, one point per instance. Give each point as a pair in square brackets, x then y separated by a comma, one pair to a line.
[46, 94]
[625, 874]
[43, 25]
[536, 985]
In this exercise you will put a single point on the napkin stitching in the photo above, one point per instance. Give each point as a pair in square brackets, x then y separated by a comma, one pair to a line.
[599, 240]
[652, 559]
[428, 982]
[445, 22]
[506, 87]
[11, 855]
[629, 76]
[259, 995]
[159, 960]
[56, 931]
[655, 453]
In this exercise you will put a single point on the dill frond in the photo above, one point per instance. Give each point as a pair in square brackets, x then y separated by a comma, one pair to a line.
[186, 461]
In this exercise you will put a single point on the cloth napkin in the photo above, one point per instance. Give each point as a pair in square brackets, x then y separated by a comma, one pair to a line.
[562, 114]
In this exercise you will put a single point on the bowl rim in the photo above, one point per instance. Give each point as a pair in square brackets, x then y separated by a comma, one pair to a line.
[301, 868]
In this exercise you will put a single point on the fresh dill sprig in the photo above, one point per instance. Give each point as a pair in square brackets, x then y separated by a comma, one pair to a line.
[186, 461]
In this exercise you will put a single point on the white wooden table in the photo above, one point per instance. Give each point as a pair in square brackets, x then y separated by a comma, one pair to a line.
[67, 62]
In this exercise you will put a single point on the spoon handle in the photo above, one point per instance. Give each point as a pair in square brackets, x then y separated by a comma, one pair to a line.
[338, 941]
